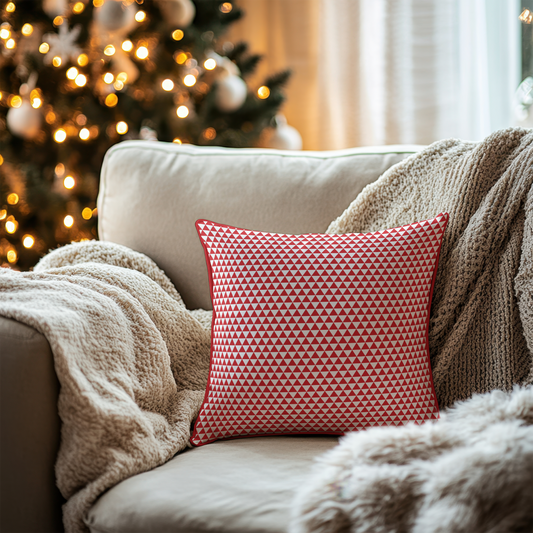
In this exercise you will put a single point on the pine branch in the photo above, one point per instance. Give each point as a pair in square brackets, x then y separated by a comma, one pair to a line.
[249, 64]
[240, 49]
[276, 81]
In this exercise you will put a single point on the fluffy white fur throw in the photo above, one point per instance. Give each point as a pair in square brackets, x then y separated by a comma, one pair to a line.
[472, 471]
[469, 472]
[131, 360]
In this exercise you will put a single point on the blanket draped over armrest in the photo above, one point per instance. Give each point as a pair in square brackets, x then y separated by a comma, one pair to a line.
[471, 471]
[131, 360]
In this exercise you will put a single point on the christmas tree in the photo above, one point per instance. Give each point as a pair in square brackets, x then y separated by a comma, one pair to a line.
[79, 76]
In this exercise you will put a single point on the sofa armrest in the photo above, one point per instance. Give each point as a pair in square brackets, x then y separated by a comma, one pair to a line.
[29, 431]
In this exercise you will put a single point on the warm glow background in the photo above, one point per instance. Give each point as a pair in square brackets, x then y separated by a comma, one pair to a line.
[372, 72]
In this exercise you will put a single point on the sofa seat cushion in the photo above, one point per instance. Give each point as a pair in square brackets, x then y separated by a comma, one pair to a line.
[233, 486]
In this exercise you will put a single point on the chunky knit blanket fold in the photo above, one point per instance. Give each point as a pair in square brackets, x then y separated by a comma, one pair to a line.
[132, 362]
[481, 326]
[471, 471]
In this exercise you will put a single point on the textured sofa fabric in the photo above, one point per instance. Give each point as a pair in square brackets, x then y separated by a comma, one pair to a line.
[151, 194]
[29, 432]
[234, 486]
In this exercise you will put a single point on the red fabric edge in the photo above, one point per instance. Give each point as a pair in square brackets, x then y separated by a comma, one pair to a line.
[447, 218]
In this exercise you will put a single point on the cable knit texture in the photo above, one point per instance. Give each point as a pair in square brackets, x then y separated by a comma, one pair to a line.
[481, 327]
[131, 360]
[471, 471]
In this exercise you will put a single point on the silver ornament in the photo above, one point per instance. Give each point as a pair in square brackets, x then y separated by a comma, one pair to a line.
[230, 93]
[24, 121]
[177, 13]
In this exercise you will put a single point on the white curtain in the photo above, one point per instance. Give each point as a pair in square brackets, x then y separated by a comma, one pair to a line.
[370, 72]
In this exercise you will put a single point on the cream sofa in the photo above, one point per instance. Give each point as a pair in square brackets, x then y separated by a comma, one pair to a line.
[150, 196]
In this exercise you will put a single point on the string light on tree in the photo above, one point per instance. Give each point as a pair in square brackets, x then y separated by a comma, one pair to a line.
[28, 241]
[182, 111]
[111, 100]
[60, 135]
[189, 80]
[82, 60]
[167, 85]
[263, 92]
[15, 101]
[181, 58]
[69, 182]
[72, 72]
[80, 80]
[142, 52]
[122, 128]
[78, 7]
[27, 30]
[11, 225]
[68, 221]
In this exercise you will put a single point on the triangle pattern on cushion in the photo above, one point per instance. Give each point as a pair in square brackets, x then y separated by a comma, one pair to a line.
[318, 333]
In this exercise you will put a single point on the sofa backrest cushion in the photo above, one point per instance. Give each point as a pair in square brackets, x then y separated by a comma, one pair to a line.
[152, 193]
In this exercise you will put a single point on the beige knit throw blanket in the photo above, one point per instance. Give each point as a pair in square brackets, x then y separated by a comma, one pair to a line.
[131, 360]
[481, 325]
[471, 471]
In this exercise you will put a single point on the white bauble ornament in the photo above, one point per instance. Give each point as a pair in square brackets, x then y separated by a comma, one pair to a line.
[225, 63]
[24, 121]
[55, 8]
[114, 16]
[231, 93]
[148, 134]
[284, 137]
[177, 13]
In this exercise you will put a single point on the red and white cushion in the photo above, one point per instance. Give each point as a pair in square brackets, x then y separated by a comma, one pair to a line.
[318, 333]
